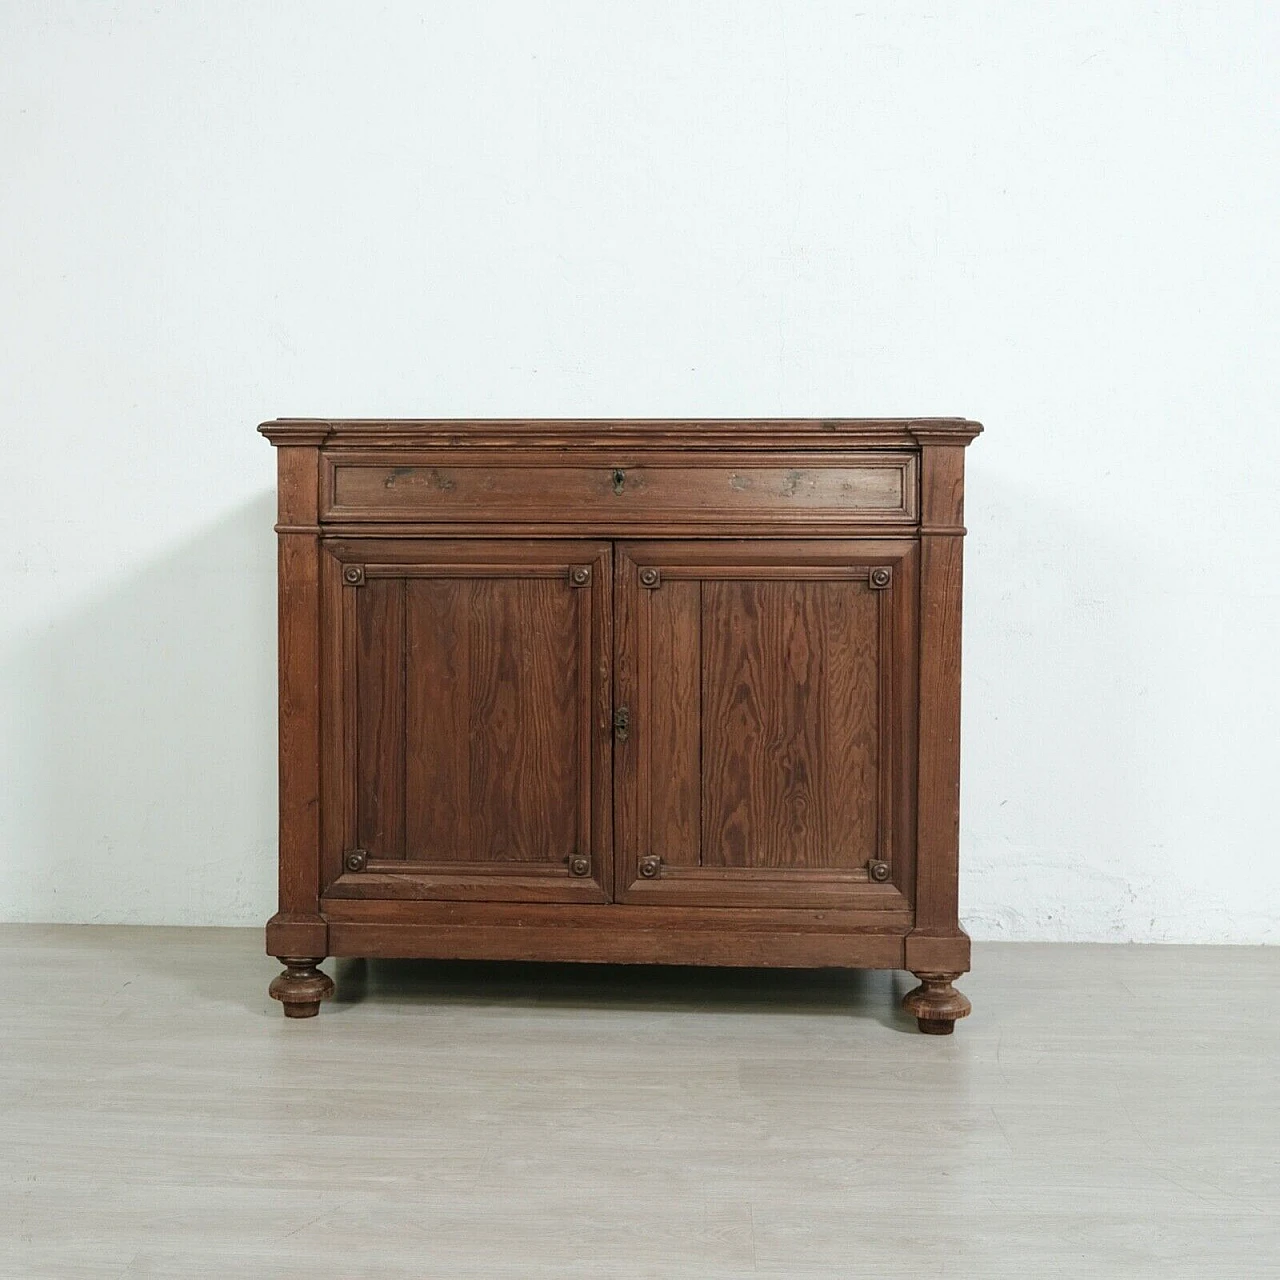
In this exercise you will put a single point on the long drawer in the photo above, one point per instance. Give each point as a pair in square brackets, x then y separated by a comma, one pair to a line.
[477, 487]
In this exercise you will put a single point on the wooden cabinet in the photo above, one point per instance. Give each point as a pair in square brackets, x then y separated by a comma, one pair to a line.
[652, 692]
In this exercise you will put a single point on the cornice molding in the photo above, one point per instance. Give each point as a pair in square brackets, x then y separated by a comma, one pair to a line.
[634, 433]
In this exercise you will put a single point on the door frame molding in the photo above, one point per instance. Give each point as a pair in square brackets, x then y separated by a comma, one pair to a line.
[407, 558]
[848, 559]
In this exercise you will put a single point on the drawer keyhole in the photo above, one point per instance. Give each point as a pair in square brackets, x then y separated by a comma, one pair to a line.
[619, 479]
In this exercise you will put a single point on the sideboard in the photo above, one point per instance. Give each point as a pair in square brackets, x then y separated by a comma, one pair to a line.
[647, 692]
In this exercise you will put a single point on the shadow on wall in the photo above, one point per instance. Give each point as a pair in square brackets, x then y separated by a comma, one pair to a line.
[149, 761]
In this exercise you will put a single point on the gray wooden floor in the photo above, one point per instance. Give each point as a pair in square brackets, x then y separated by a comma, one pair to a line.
[1106, 1111]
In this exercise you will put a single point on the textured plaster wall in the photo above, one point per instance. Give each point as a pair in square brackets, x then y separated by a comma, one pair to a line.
[1058, 218]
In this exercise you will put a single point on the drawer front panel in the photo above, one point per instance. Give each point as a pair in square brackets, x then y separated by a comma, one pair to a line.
[466, 487]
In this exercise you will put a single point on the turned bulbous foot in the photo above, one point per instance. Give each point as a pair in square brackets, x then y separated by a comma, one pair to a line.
[936, 1004]
[301, 986]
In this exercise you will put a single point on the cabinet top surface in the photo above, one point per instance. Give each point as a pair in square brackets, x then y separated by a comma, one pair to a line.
[751, 433]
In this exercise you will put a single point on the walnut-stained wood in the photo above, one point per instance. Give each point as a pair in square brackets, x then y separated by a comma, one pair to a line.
[790, 724]
[301, 986]
[493, 692]
[657, 691]
[672, 720]
[936, 1004]
[636, 944]
[619, 488]
[769, 685]
[382, 713]
[603, 916]
[298, 927]
[474, 691]
[694, 435]
[938, 942]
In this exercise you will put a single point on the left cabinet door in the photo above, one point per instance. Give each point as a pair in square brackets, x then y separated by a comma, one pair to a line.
[467, 721]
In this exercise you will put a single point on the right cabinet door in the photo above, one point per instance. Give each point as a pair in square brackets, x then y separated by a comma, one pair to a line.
[764, 723]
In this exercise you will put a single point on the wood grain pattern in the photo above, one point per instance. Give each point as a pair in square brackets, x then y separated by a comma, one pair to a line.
[299, 704]
[338, 683]
[623, 490]
[938, 822]
[790, 724]
[671, 722]
[524, 721]
[938, 833]
[457, 880]
[604, 916]
[380, 718]
[492, 687]
[636, 944]
[438, 699]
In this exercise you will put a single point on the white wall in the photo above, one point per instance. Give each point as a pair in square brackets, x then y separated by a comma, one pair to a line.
[1058, 218]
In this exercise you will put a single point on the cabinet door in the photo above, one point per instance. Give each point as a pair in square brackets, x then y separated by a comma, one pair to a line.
[468, 743]
[766, 693]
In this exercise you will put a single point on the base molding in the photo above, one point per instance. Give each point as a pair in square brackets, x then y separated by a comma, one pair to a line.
[623, 943]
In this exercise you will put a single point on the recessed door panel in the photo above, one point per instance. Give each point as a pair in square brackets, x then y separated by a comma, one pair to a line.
[790, 723]
[492, 692]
